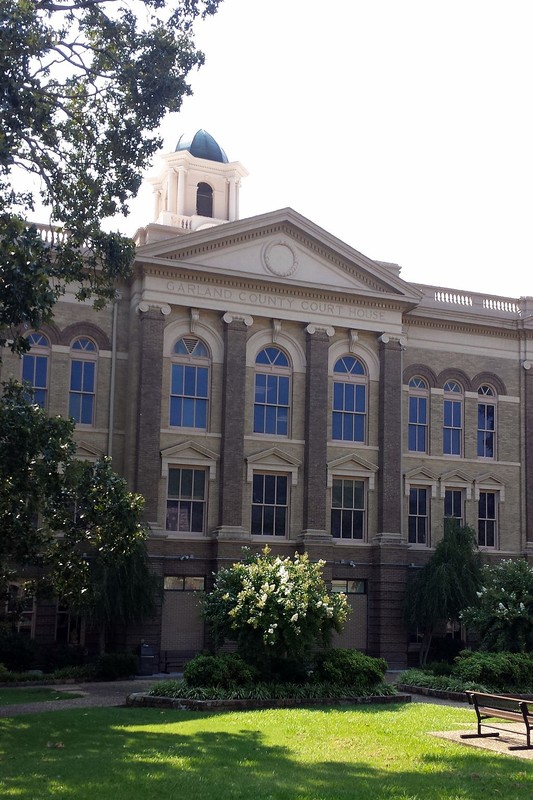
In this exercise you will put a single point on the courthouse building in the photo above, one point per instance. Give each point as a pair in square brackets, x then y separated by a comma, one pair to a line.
[261, 382]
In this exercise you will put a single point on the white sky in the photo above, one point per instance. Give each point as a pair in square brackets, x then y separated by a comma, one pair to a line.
[403, 127]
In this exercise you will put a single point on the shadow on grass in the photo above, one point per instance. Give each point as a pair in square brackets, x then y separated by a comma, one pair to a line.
[134, 754]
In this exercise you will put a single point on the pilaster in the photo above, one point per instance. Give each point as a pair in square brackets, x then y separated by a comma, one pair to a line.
[147, 467]
[316, 434]
[233, 413]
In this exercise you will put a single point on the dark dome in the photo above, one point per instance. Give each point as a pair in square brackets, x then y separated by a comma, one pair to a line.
[202, 145]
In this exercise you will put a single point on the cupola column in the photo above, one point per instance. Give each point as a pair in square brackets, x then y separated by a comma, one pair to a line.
[180, 208]
[171, 191]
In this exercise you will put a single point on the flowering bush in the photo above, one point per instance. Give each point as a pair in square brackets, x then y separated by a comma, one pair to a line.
[503, 615]
[274, 608]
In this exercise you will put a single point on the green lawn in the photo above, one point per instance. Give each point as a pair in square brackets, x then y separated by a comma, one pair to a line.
[372, 753]
[15, 696]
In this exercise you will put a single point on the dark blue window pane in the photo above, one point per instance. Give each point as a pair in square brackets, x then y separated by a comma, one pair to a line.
[259, 422]
[336, 431]
[177, 379]
[201, 384]
[360, 399]
[197, 518]
[88, 376]
[257, 489]
[346, 524]
[282, 490]
[270, 489]
[74, 406]
[39, 397]
[40, 371]
[86, 409]
[338, 396]
[175, 410]
[335, 522]
[198, 484]
[280, 521]
[272, 390]
[359, 435]
[186, 483]
[28, 368]
[283, 391]
[76, 375]
[257, 517]
[349, 397]
[283, 422]
[268, 520]
[201, 414]
[190, 381]
[260, 388]
[188, 412]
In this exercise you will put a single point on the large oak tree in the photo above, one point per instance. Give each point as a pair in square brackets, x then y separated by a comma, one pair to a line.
[85, 84]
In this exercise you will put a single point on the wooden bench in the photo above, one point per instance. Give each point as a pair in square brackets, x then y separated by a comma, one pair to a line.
[495, 706]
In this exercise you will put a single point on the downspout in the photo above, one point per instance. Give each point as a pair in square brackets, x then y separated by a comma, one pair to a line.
[112, 379]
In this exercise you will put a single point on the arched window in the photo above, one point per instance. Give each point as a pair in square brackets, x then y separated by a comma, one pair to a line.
[349, 400]
[452, 432]
[204, 200]
[486, 421]
[82, 393]
[189, 384]
[35, 368]
[418, 415]
[272, 392]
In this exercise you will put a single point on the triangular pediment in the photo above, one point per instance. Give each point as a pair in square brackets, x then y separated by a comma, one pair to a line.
[352, 466]
[189, 454]
[273, 459]
[281, 247]
[420, 476]
[489, 483]
[87, 452]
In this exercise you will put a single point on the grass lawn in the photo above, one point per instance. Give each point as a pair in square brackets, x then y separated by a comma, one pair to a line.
[372, 753]
[15, 696]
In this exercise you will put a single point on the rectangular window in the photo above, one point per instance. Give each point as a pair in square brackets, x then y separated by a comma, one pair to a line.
[453, 504]
[34, 371]
[348, 509]
[186, 500]
[418, 424]
[81, 396]
[271, 407]
[270, 504]
[349, 412]
[348, 587]
[453, 427]
[189, 396]
[418, 521]
[485, 430]
[487, 521]
[184, 583]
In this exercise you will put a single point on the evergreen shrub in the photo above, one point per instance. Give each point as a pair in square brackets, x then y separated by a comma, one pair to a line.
[349, 668]
[225, 670]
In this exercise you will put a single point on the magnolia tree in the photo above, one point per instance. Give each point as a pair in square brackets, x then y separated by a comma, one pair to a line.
[274, 608]
[503, 615]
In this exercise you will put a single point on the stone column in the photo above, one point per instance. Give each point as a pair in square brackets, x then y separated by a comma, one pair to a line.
[180, 202]
[390, 438]
[233, 414]
[316, 432]
[148, 451]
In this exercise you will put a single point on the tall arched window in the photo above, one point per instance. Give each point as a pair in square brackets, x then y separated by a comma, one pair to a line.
[349, 400]
[418, 415]
[272, 392]
[82, 394]
[35, 367]
[189, 384]
[452, 432]
[486, 421]
[204, 200]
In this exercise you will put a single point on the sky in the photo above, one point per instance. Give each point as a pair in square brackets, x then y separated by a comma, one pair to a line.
[403, 127]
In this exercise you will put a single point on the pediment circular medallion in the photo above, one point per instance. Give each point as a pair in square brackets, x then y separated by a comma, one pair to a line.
[280, 259]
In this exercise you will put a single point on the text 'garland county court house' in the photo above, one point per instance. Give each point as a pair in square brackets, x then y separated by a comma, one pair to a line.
[262, 383]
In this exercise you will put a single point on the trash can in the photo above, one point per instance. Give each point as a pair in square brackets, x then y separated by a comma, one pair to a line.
[146, 659]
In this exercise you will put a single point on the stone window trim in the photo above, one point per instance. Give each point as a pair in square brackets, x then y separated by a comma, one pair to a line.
[277, 337]
[85, 330]
[453, 418]
[353, 346]
[273, 460]
[273, 387]
[280, 509]
[189, 454]
[418, 415]
[421, 370]
[492, 380]
[454, 375]
[193, 325]
[32, 366]
[356, 514]
[488, 524]
[414, 541]
[345, 414]
[489, 483]
[352, 466]
[418, 479]
[190, 404]
[456, 480]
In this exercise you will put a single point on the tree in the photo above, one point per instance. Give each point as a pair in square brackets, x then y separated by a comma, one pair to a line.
[71, 524]
[85, 84]
[503, 613]
[446, 584]
[274, 608]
